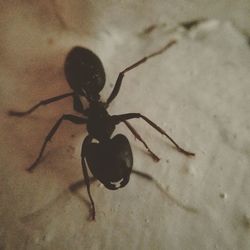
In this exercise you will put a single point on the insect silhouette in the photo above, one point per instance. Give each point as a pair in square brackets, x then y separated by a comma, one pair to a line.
[108, 158]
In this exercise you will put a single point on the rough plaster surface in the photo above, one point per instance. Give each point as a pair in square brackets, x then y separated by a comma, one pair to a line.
[198, 91]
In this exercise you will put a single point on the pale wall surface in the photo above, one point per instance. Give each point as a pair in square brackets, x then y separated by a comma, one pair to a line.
[198, 91]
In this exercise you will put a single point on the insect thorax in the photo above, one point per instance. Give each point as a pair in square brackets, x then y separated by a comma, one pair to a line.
[99, 123]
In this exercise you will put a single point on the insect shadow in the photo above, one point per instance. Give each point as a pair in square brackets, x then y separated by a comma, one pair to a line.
[73, 188]
[108, 158]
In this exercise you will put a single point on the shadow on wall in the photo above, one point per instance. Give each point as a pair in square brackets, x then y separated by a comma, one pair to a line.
[34, 43]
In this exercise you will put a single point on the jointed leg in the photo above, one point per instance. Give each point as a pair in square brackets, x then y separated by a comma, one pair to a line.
[118, 83]
[72, 118]
[137, 136]
[121, 118]
[87, 141]
[44, 102]
[79, 184]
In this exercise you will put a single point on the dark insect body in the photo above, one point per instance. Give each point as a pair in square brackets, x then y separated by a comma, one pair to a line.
[109, 159]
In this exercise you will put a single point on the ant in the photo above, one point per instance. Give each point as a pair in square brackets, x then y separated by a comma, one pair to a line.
[108, 158]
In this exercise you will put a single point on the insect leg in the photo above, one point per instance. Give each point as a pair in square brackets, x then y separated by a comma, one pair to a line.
[43, 102]
[121, 118]
[72, 118]
[118, 83]
[86, 142]
[79, 184]
[137, 136]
